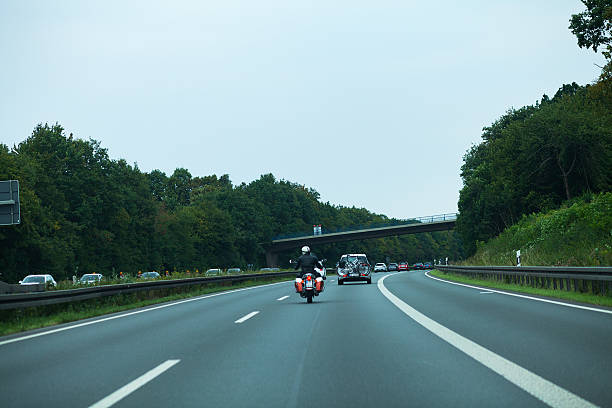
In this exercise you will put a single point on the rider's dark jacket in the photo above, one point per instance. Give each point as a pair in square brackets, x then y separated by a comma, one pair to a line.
[307, 262]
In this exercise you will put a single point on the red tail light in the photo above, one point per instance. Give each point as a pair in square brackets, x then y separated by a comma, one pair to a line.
[308, 277]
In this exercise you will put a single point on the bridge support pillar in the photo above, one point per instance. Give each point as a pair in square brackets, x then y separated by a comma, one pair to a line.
[272, 259]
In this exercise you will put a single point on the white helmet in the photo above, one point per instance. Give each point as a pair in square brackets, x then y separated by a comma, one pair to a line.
[305, 249]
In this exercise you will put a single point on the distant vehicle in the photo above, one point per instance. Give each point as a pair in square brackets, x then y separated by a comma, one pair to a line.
[269, 270]
[90, 278]
[354, 267]
[213, 272]
[322, 271]
[36, 279]
[403, 266]
[417, 266]
[427, 265]
[149, 275]
[233, 271]
[380, 267]
[392, 267]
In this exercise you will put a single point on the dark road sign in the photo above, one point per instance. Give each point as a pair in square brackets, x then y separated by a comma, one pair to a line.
[9, 202]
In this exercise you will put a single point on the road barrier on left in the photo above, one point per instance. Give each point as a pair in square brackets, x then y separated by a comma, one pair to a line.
[18, 301]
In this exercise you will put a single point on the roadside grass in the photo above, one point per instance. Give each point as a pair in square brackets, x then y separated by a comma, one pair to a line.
[18, 320]
[577, 234]
[558, 294]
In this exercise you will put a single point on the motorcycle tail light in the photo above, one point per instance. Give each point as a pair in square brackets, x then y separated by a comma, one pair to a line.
[308, 277]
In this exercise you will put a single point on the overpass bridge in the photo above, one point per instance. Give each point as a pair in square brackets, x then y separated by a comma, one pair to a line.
[431, 223]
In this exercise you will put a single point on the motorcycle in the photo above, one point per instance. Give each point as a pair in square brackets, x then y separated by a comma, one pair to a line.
[308, 286]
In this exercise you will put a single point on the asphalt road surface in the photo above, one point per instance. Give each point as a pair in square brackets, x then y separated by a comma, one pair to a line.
[409, 340]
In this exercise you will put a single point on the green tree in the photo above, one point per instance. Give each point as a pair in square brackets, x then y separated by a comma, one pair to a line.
[593, 29]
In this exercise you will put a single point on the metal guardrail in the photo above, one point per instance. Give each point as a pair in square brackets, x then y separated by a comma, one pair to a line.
[16, 301]
[549, 277]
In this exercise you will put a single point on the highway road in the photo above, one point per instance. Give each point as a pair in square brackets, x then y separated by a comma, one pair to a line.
[405, 340]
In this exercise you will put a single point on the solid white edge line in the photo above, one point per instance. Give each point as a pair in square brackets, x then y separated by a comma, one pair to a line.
[129, 388]
[282, 298]
[61, 329]
[542, 389]
[486, 292]
[247, 317]
[554, 302]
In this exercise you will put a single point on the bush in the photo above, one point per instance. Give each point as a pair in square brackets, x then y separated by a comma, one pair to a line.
[579, 234]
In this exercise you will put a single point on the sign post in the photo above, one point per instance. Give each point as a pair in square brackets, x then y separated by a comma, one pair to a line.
[9, 202]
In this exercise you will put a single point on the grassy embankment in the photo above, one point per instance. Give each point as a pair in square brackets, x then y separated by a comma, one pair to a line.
[578, 234]
[17, 320]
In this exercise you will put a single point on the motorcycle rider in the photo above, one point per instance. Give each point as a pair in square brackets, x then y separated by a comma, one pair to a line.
[308, 262]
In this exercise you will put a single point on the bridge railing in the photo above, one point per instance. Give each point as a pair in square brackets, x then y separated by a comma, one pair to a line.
[395, 223]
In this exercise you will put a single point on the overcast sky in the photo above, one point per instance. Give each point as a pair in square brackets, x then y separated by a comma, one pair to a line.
[371, 103]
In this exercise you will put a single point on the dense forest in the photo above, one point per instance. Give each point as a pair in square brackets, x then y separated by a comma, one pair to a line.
[538, 157]
[85, 212]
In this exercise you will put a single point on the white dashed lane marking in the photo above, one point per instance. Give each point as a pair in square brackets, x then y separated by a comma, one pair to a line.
[127, 389]
[247, 317]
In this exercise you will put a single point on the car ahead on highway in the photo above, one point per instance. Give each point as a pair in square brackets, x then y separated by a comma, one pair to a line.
[392, 267]
[380, 267]
[403, 266]
[149, 275]
[213, 272]
[417, 266]
[354, 267]
[36, 279]
[90, 278]
[234, 271]
[322, 271]
[427, 265]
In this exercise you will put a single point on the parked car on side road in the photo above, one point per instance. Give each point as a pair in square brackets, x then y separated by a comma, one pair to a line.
[213, 272]
[149, 275]
[36, 279]
[269, 270]
[380, 267]
[90, 278]
[234, 271]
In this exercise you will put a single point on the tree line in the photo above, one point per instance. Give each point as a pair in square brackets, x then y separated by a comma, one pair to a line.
[535, 158]
[82, 212]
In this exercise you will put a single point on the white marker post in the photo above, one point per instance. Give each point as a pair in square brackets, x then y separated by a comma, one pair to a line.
[518, 258]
